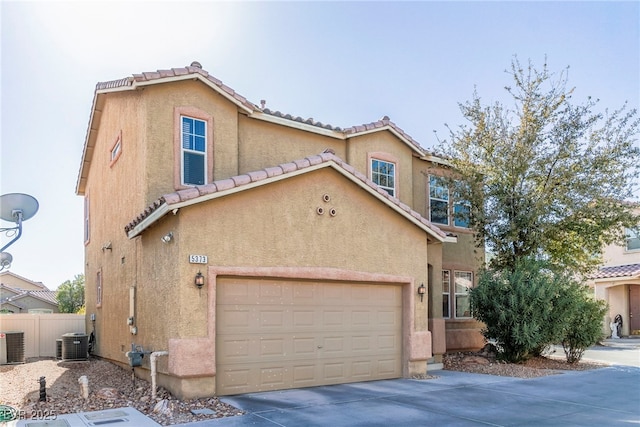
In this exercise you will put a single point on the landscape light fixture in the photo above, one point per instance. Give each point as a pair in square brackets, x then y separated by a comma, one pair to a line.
[199, 280]
[16, 207]
[421, 291]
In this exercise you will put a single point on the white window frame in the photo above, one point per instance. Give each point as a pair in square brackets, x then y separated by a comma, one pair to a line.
[437, 194]
[632, 236]
[183, 150]
[376, 174]
[446, 291]
[468, 284]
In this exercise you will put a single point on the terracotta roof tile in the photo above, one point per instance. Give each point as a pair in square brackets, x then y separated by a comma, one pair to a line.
[174, 72]
[273, 171]
[628, 270]
[196, 68]
[241, 180]
[258, 175]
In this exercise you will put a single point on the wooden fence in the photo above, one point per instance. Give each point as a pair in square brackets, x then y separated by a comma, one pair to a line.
[42, 330]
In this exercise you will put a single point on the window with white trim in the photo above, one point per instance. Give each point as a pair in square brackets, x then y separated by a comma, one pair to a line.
[633, 239]
[116, 150]
[446, 292]
[438, 200]
[463, 284]
[444, 208]
[193, 151]
[384, 174]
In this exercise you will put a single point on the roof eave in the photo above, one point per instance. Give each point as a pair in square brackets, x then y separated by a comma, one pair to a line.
[166, 207]
[297, 125]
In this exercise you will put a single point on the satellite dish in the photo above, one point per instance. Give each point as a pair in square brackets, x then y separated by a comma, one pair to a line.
[13, 203]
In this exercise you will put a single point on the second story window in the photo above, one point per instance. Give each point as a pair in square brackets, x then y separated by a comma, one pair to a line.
[633, 239]
[384, 174]
[194, 151]
[438, 200]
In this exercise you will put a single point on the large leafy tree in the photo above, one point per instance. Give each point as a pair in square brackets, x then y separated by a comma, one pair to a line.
[545, 176]
[70, 295]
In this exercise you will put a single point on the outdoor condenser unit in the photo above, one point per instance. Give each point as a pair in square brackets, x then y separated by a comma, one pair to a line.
[12, 347]
[75, 346]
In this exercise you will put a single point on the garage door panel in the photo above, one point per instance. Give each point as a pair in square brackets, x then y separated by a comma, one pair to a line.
[288, 334]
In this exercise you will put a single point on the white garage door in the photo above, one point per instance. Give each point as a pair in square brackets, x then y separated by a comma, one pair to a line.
[278, 334]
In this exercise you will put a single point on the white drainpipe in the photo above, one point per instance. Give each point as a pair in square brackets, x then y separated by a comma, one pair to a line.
[154, 357]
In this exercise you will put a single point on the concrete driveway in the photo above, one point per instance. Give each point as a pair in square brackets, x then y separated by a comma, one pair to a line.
[609, 396]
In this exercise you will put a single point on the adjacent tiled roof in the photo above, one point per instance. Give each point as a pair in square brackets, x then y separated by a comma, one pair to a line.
[236, 182]
[46, 296]
[630, 270]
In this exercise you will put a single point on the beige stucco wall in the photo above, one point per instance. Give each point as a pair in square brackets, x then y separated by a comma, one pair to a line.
[380, 145]
[160, 103]
[264, 144]
[272, 226]
[116, 193]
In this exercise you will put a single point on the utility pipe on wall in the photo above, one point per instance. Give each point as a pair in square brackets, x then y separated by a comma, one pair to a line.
[154, 357]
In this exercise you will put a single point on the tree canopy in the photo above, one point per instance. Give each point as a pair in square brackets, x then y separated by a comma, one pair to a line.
[70, 295]
[547, 177]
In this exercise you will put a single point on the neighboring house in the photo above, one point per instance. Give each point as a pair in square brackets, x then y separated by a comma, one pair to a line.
[313, 243]
[618, 283]
[21, 295]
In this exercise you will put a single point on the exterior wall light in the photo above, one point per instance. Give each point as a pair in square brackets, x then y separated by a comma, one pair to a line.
[421, 291]
[199, 280]
[167, 237]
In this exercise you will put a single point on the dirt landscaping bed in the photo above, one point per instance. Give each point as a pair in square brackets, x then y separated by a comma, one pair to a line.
[110, 386]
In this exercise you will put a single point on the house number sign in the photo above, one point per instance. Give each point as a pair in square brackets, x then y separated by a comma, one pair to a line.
[198, 259]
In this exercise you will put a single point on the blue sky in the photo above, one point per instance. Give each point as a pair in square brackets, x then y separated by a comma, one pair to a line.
[343, 63]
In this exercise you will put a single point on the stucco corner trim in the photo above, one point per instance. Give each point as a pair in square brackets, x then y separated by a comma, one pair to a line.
[419, 345]
[193, 357]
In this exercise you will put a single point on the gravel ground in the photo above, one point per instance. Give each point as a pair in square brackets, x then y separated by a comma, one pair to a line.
[484, 362]
[111, 386]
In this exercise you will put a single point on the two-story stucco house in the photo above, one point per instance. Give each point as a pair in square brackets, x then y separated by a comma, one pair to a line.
[263, 251]
[618, 283]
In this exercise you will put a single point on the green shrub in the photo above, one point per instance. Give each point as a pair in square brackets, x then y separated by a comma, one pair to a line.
[532, 307]
[584, 327]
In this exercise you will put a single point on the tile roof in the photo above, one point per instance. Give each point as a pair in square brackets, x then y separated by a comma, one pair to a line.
[200, 193]
[196, 68]
[46, 296]
[630, 270]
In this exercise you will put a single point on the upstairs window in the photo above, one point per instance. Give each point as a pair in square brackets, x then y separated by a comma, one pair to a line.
[116, 150]
[438, 200]
[384, 175]
[444, 208]
[194, 151]
[633, 239]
